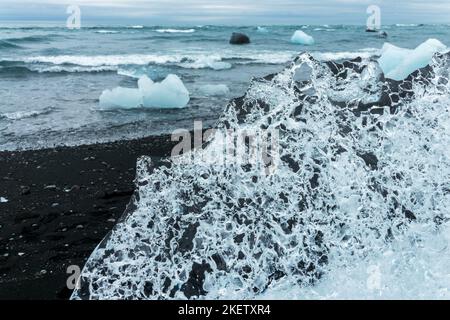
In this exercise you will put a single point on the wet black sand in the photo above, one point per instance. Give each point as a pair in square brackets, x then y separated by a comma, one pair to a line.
[61, 203]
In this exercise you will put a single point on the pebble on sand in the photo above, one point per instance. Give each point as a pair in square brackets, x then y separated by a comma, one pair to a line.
[25, 190]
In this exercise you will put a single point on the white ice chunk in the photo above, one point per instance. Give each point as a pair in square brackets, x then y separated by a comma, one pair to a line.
[170, 93]
[397, 63]
[302, 38]
[3, 200]
[262, 29]
[215, 90]
[119, 97]
[145, 84]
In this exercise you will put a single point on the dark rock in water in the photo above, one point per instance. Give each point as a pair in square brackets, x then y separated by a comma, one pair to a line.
[239, 38]
[382, 34]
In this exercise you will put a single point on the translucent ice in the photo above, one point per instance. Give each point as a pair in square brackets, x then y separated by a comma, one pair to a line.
[357, 206]
[397, 63]
[302, 38]
[170, 93]
[119, 97]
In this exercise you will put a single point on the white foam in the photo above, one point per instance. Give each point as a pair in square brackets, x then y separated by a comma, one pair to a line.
[18, 115]
[414, 267]
[175, 30]
[107, 31]
[202, 62]
[105, 60]
[345, 55]
[188, 60]
[301, 37]
[70, 69]
[406, 25]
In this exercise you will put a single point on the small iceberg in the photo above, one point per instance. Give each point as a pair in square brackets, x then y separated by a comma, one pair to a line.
[214, 90]
[398, 63]
[262, 29]
[299, 37]
[170, 93]
[3, 200]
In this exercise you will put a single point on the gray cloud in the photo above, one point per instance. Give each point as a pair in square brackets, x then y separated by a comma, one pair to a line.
[231, 11]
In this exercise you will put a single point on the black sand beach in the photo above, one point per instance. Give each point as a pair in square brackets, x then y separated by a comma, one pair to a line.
[61, 203]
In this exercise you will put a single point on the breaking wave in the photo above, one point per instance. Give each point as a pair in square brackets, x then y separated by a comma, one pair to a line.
[107, 31]
[19, 115]
[175, 30]
[357, 205]
[107, 63]
[346, 55]
[71, 63]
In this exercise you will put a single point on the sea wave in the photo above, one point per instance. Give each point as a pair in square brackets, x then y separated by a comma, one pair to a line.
[175, 30]
[188, 60]
[8, 45]
[19, 115]
[32, 39]
[343, 55]
[406, 25]
[107, 31]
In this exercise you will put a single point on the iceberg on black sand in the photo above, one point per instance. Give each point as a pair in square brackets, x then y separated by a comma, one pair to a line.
[361, 189]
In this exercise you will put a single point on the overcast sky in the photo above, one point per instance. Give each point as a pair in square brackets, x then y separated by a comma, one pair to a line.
[242, 12]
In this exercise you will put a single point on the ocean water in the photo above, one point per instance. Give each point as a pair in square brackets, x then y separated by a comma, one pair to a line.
[51, 78]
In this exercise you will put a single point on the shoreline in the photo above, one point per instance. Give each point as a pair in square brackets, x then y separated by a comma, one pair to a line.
[61, 202]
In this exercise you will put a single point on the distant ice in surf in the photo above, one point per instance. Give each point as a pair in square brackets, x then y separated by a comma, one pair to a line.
[262, 29]
[300, 37]
[170, 93]
[397, 63]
